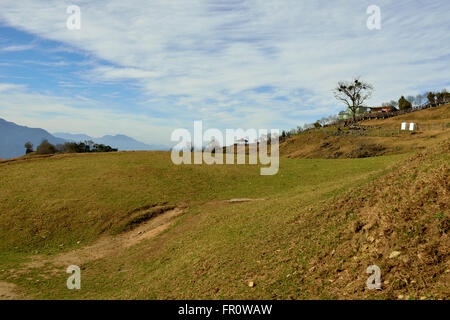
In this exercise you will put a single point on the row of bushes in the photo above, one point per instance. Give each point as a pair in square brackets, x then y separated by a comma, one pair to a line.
[69, 147]
[434, 98]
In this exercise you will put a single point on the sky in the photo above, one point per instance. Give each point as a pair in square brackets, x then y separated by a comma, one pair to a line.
[146, 67]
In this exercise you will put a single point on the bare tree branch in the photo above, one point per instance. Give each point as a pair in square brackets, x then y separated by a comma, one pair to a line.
[353, 93]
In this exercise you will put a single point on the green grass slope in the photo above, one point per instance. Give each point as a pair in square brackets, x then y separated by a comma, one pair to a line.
[321, 224]
[56, 204]
[46, 203]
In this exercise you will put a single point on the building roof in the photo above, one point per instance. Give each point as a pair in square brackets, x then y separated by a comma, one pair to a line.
[382, 108]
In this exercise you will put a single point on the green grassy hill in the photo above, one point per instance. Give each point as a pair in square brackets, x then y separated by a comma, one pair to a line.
[314, 229]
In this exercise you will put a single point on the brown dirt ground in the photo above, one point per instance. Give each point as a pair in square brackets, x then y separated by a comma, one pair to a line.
[8, 291]
[406, 211]
[110, 245]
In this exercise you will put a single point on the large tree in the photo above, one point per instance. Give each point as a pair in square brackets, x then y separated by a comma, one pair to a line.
[431, 98]
[353, 93]
[404, 104]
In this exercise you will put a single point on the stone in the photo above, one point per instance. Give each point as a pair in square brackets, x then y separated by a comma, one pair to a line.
[394, 254]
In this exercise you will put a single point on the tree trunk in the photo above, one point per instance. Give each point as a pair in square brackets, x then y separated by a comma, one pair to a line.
[353, 109]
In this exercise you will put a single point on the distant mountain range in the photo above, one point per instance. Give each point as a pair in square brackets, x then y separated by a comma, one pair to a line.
[120, 141]
[13, 137]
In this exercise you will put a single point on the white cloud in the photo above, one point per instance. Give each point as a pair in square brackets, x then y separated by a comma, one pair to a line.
[110, 73]
[80, 115]
[203, 59]
[10, 87]
[17, 48]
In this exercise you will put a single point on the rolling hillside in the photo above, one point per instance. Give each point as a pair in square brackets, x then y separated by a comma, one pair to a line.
[142, 228]
[372, 138]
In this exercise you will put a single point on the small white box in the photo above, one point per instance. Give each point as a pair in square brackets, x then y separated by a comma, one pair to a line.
[412, 126]
[404, 125]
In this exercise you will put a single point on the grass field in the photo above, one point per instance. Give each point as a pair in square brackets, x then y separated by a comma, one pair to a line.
[81, 197]
[314, 229]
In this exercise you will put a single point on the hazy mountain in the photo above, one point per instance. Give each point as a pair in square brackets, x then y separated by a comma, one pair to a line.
[120, 141]
[72, 137]
[13, 138]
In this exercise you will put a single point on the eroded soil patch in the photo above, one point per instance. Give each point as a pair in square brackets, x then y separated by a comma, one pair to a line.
[8, 291]
[110, 245]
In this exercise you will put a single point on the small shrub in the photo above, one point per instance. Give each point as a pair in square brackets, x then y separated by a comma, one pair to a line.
[29, 147]
[46, 148]
[439, 216]
[366, 151]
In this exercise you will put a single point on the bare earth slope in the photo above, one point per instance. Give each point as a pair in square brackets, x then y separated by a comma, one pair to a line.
[401, 224]
[372, 138]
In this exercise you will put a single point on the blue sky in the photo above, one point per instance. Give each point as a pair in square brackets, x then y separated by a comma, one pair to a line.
[145, 68]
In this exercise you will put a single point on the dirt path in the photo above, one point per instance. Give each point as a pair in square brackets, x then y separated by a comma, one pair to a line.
[115, 245]
[8, 291]
[110, 245]
[105, 246]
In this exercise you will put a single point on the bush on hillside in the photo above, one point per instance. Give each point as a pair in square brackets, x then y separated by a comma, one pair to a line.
[366, 151]
[46, 148]
[431, 98]
[29, 147]
[83, 147]
[103, 148]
